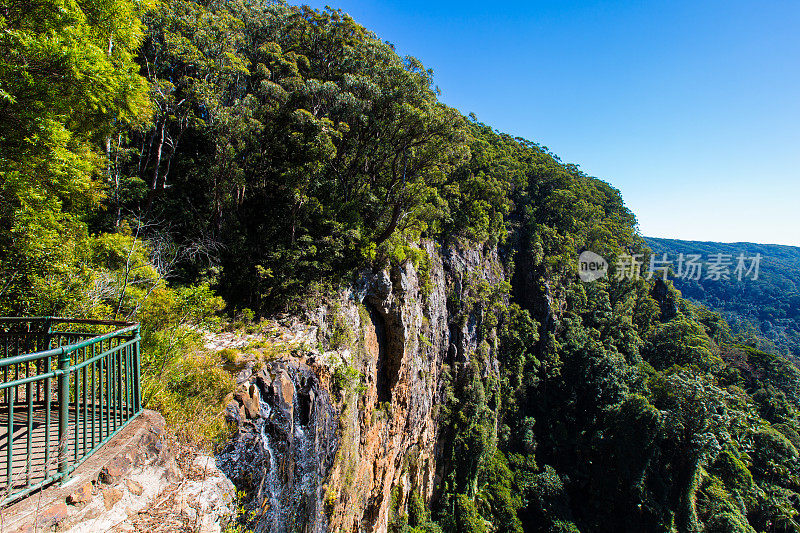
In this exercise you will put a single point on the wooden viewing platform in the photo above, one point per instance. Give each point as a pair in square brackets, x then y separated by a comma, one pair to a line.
[67, 388]
[44, 450]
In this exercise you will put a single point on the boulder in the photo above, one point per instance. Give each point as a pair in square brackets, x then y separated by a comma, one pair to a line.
[115, 470]
[134, 487]
[232, 412]
[82, 495]
[244, 375]
[53, 515]
[283, 395]
[172, 472]
[264, 380]
[111, 497]
[251, 401]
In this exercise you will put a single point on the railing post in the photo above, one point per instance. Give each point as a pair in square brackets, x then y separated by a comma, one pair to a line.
[63, 411]
[12, 396]
[137, 371]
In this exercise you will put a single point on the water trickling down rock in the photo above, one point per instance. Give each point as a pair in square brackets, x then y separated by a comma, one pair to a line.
[281, 454]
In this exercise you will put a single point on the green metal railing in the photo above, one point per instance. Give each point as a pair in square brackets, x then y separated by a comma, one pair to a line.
[67, 387]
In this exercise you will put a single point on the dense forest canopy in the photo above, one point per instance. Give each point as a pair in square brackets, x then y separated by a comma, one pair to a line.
[766, 309]
[151, 154]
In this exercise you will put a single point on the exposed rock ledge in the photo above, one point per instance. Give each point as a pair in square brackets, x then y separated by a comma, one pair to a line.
[137, 482]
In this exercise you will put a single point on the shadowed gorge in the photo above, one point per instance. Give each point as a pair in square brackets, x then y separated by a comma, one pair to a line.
[378, 346]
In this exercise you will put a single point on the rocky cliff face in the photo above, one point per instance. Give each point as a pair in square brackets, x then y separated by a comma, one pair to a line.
[284, 447]
[338, 440]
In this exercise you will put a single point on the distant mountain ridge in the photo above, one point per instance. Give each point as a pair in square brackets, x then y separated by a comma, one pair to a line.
[767, 307]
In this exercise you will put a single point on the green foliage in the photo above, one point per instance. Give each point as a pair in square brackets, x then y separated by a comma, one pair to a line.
[764, 313]
[346, 378]
[478, 193]
[422, 262]
[733, 471]
[190, 393]
[179, 379]
[466, 518]
[68, 81]
[680, 341]
[416, 521]
[417, 512]
[342, 334]
[774, 456]
[728, 522]
[499, 496]
[299, 113]
[469, 421]
[230, 356]
[549, 502]
[518, 337]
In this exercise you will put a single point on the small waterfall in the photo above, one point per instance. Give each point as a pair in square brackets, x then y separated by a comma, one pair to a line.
[280, 458]
[274, 516]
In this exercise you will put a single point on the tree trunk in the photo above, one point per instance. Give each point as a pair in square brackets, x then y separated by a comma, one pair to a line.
[152, 193]
[386, 233]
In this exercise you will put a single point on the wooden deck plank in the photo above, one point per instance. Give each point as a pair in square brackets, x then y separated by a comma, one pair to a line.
[23, 474]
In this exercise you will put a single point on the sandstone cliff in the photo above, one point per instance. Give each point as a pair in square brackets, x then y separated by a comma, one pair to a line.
[339, 439]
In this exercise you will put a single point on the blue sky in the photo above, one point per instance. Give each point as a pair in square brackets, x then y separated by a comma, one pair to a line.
[691, 109]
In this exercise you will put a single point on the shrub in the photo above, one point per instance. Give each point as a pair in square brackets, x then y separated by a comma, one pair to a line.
[190, 393]
[345, 376]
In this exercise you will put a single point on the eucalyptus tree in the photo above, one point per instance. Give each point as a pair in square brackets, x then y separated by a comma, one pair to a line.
[68, 81]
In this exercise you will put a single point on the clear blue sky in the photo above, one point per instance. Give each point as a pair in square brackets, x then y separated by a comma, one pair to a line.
[691, 109]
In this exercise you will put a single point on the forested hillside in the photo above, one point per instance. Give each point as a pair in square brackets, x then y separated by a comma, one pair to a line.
[180, 162]
[766, 308]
